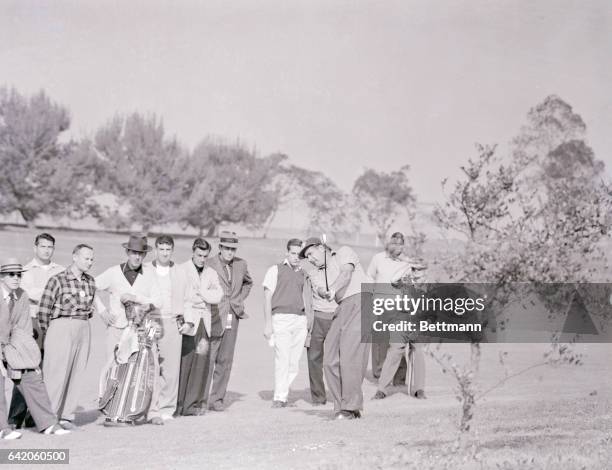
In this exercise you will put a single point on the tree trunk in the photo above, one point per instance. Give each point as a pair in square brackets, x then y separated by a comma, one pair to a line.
[26, 218]
[469, 392]
[212, 229]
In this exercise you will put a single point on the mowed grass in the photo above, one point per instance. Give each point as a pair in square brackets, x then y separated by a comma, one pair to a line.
[547, 418]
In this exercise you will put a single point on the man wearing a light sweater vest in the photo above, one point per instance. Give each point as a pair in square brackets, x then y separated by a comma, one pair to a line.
[165, 392]
[285, 297]
[129, 281]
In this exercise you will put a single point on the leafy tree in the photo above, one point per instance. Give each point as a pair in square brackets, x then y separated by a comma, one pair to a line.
[329, 208]
[383, 197]
[229, 183]
[40, 175]
[536, 217]
[142, 168]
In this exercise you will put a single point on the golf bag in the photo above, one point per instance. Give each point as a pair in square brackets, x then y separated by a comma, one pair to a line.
[129, 383]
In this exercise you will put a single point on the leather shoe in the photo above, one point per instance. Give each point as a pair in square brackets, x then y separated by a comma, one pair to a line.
[156, 421]
[10, 434]
[279, 404]
[217, 406]
[420, 394]
[379, 395]
[345, 414]
[67, 424]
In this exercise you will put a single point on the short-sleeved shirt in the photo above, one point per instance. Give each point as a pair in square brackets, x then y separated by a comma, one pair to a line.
[346, 255]
[35, 279]
[385, 269]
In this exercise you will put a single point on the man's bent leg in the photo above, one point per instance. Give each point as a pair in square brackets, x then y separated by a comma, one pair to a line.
[33, 388]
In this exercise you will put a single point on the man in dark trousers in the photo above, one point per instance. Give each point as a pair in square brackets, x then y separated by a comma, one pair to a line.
[197, 287]
[318, 326]
[236, 283]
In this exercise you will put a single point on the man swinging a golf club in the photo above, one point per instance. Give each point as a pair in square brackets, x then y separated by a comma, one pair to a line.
[346, 350]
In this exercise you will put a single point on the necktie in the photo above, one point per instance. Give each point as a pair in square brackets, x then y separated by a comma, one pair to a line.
[12, 300]
[229, 272]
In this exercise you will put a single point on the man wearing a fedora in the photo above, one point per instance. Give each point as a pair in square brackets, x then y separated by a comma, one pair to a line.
[128, 281]
[20, 355]
[65, 308]
[236, 283]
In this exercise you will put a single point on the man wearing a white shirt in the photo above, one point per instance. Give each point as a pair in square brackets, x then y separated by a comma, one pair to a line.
[37, 273]
[285, 319]
[383, 269]
[165, 393]
[129, 281]
[399, 350]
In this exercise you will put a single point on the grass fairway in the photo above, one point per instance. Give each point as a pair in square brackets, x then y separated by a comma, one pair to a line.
[548, 418]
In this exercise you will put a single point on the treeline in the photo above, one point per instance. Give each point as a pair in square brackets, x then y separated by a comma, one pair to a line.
[152, 179]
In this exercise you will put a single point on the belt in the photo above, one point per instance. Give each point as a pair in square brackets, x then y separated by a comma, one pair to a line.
[76, 317]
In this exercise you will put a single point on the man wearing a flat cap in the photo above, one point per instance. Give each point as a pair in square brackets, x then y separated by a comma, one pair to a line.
[20, 355]
[128, 281]
[236, 283]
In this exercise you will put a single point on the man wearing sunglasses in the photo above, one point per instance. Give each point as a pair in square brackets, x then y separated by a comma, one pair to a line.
[36, 274]
[20, 355]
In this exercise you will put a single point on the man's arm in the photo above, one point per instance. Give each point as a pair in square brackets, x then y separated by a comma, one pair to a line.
[247, 284]
[269, 285]
[343, 279]
[24, 321]
[267, 313]
[27, 284]
[372, 268]
[47, 302]
[211, 291]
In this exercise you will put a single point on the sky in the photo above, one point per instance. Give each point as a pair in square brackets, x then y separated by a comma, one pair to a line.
[339, 86]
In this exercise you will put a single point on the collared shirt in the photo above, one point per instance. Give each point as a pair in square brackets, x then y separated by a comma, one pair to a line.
[65, 295]
[228, 267]
[35, 279]
[385, 269]
[129, 273]
[6, 294]
[346, 255]
[271, 277]
[199, 269]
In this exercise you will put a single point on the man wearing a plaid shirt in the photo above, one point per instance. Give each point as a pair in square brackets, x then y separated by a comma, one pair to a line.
[65, 307]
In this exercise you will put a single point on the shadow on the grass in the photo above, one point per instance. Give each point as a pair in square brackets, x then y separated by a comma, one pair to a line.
[323, 413]
[83, 417]
[294, 395]
[231, 398]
